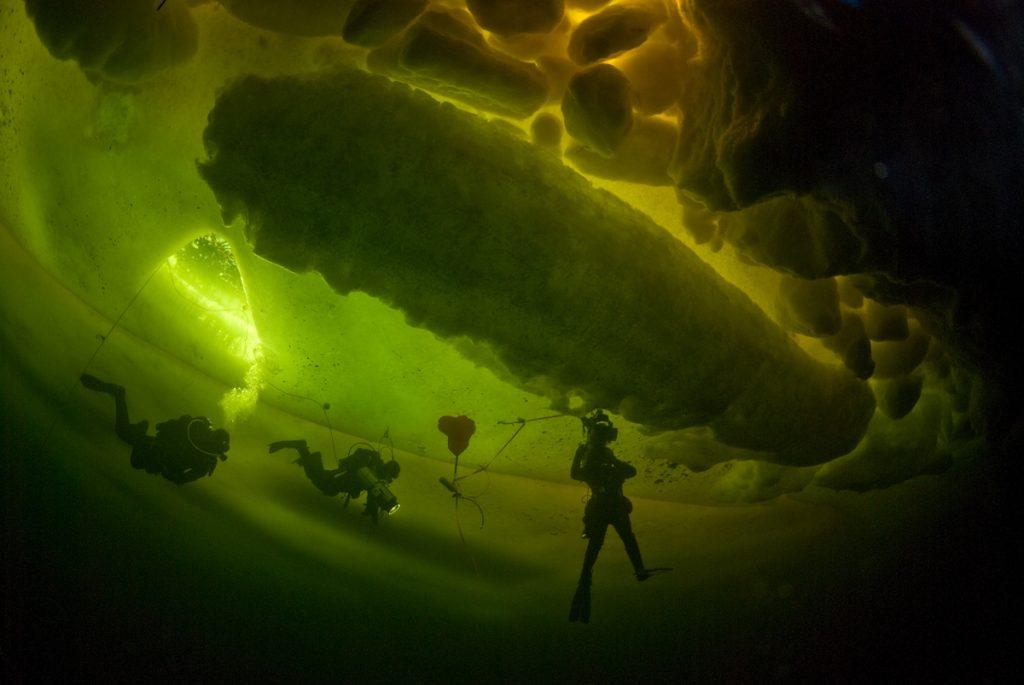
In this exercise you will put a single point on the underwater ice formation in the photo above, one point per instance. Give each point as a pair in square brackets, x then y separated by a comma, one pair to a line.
[900, 357]
[372, 22]
[302, 18]
[615, 29]
[509, 17]
[99, 188]
[795, 235]
[885, 322]
[897, 125]
[121, 41]
[894, 449]
[444, 52]
[809, 307]
[852, 345]
[898, 396]
[655, 71]
[597, 108]
[642, 157]
[546, 130]
[473, 232]
[99, 184]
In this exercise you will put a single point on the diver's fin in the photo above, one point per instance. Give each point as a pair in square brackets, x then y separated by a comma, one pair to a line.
[646, 573]
[580, 610]
[93, 383]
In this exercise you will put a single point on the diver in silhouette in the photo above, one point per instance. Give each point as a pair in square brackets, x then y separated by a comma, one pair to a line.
[183, 449]
[363, 469]
[596, 465]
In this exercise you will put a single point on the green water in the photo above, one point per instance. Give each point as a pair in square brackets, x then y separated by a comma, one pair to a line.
[252, 573]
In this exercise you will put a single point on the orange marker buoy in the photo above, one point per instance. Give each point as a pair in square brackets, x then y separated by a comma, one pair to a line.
[459, 430]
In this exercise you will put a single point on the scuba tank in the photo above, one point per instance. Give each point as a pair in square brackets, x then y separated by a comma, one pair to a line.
[378, 489]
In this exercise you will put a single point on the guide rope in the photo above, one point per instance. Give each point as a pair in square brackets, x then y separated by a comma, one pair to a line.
[103, 341]
[521, 423]
[324, 407]
[459, 496]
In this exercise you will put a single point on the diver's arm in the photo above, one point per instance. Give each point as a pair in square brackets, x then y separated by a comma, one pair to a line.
[372, 508]
[625, 469]
[196, 472]
[180, 477]
[576, 472]
[190, 474]
[177, 477]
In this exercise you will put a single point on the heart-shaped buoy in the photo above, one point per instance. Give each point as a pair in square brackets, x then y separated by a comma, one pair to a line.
[459, 430]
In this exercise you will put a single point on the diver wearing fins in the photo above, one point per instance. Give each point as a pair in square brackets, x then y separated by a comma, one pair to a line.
[183, 449]
[362, 469]
[596, 465]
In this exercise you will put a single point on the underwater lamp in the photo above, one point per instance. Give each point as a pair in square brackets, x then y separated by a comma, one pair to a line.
[378, 489]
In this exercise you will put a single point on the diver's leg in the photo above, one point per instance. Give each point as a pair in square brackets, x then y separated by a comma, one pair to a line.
[131, 433]
[625, 531]
[297, 445]
[93, 383]
[596, 527]
[596, 540]
[313, 465]
[372, 507]
[128, 432]
[121, 425]
[580, 608]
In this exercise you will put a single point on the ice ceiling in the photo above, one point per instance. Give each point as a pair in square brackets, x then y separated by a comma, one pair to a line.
[772, 238]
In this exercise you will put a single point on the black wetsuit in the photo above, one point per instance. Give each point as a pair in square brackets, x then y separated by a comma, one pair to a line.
[597, 466]
[170, 452]
[345, 478]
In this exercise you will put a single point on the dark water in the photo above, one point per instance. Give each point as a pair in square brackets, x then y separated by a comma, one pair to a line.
[114, 574]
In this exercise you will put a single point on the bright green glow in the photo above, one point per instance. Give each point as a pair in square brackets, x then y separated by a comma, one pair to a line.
[214, 288]
[108, 189]
[102, 188]
[240, 403]
[205, 274]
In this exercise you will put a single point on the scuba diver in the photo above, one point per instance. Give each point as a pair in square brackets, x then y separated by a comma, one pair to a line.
[183, 449]
[595, 464]
[362, 469]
